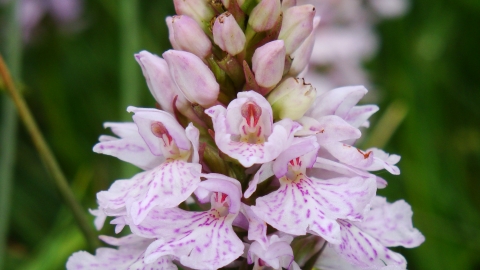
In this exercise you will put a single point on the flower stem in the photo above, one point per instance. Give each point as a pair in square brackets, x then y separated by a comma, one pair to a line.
[387, 124]
[8, 137]
[47, 157]
[129, 70]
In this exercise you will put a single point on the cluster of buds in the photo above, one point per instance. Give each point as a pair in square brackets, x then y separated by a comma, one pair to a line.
[244, 164]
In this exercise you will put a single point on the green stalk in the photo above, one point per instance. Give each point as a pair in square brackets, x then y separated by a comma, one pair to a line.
[129, 70]
[8, 135]
[47, 157]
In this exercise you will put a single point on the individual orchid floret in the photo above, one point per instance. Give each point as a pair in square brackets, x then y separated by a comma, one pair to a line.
[301, 56]
[166, 185]
[277, 254]
[364, 244]
[305, 204]
[129, 255]
[268, 63]
[193, 77]
[199, 240]
[188, 36]
[291, 98]
[245, 129]
[265, 15]
[228, 35]
[297, 24]
[200, 10]
[129, 147]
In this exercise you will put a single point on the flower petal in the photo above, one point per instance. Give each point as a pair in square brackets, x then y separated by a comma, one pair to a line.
[145, 117]
[315, 205]
[363, 250]
[265, 172]
[130, 147]
[197, 239]
[168, 185]
[350, 155]
[391, 224]
[129, 256]
[338, 101]
[358, 115]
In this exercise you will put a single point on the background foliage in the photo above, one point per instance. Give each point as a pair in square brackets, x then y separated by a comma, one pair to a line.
[428, 62]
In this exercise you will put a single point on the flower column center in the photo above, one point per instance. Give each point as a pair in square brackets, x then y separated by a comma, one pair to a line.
[169, 147]
[295, 170]
[251, 129]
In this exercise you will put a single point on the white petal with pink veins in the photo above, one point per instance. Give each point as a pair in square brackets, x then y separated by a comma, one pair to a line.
[331, 260]
[391, 224]
[168, 185]
[129, 255]
[201, 240]
[197, 239]
[350, 155]
[130, 147]
[314, 205]
[363, 250]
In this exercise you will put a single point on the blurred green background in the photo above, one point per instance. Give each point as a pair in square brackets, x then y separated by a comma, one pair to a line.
[428, 64]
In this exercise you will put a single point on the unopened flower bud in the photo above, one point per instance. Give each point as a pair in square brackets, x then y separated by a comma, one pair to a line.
[193, 77]
[268, 63]
[199, 10]
[227, 34]
[301, 56]
[188, 36]
[265, 15]
[292, 98]
[157, 74]
[297, 24]
[171, 35]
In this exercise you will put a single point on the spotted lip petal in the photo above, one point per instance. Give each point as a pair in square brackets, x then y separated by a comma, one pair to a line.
[314, 205]
[331, 260]
[363, 250]
[129, 255]
[167, 186]
[130, 147]
[195, 238]
[391, 224]
[202, 240]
